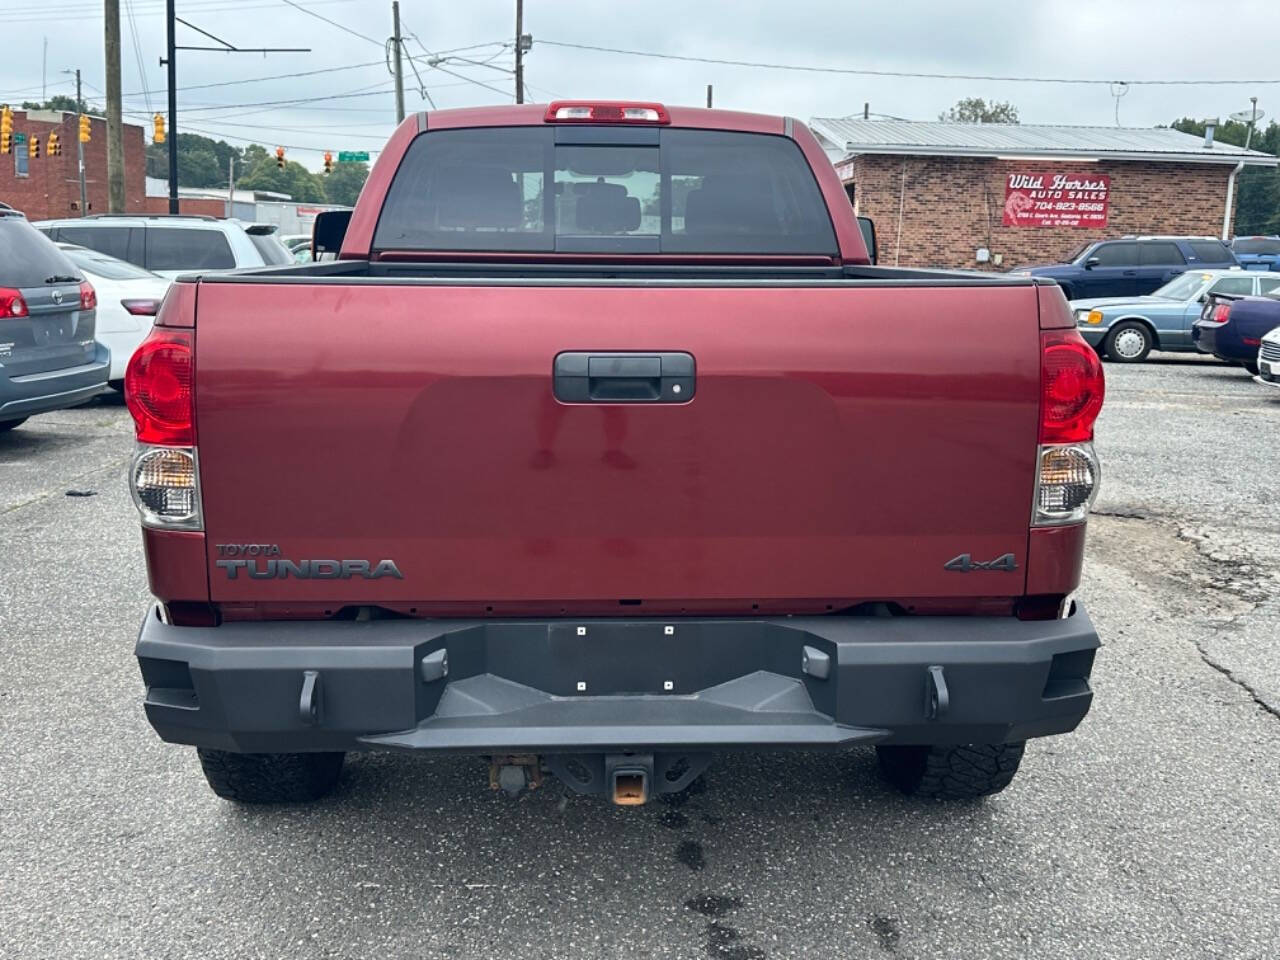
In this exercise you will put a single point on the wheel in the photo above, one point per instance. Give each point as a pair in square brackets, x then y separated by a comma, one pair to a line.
[7, 425]
[270, 777]
[1251, 366]
[951, 773]
[1129, 342]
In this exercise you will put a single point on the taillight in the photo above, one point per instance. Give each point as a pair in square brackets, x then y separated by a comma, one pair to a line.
[141, 308]
[88, 299]
[157, 388]
[1071, 387]
[1071, 393]
[605, 111]
[1222, 313]
[11, 303]
[165, 485]
[1067, 480]
[165, 477]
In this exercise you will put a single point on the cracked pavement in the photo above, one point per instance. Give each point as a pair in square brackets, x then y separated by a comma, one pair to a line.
[1150, 832]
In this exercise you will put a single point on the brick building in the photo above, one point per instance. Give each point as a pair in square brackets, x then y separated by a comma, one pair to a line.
[997, 195]
[48, 187]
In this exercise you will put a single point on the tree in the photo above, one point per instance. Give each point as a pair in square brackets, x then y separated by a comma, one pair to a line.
[343, 185]
[202, 162]
[62, 103]
[295, 180]
[977, 110]
[1258, 193]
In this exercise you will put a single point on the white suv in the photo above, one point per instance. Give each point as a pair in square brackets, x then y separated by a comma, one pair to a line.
[171, 245]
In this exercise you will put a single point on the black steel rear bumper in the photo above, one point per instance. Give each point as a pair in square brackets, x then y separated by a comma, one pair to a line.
[563, 686]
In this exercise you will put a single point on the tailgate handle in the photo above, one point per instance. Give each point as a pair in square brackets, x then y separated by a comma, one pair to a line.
[589, 377]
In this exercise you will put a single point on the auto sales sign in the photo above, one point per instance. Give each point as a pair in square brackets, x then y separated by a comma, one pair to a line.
[1056, 200]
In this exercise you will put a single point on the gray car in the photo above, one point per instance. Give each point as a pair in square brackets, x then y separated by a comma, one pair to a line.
[49, 359]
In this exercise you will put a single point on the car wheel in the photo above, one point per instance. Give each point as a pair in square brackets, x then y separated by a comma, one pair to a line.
[7, 425]
[1128, 342]
[270, 777]
[1251, 366]
[951, 773]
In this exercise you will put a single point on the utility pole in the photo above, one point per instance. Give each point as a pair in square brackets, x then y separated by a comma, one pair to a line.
[1253, 120]
[172, 63]
[84, 194]
[115, 130]
[396, 41]
[708, 96]
[231, 186]
[519, 51]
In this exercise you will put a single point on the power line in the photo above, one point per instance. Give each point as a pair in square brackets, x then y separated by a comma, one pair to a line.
[310, 73]
[277, 76]
[333, 23]
[896, 73]
[34, 15]
[479, 83]
[137, 52]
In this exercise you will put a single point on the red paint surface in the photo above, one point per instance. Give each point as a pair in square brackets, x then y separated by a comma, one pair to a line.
[843, 443]
[176, 565]
[1054, 559]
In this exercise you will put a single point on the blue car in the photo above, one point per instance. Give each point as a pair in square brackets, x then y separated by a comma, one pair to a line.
[1257, 253]
[1131, 266]
[1126, 329]
[1232, 328]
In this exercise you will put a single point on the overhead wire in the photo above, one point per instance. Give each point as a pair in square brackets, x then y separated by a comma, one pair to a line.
[333, 23]
[137, 52]
[852, 71]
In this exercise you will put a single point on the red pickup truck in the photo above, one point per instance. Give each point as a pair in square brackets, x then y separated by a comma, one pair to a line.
[602, 447]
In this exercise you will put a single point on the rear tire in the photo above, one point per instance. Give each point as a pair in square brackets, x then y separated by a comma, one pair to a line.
[1129, 342]
[1251, 366]
[951, 773]
[8, 425]
[270, 777]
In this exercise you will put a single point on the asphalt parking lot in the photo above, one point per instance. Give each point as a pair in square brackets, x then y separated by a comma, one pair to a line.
[1151, 832]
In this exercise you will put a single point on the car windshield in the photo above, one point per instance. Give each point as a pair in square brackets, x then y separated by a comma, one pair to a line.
[1267, 246]
[1187, 286]
[28, 258]
[557, 190]
[274, 253]
[101, 265]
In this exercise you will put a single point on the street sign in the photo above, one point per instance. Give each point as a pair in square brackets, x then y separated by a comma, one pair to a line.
[353, 156]
[19, 138]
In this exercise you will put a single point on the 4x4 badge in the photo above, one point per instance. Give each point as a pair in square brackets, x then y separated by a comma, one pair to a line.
[966, 564]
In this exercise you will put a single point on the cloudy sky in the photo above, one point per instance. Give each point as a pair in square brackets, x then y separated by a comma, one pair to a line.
[352, 108]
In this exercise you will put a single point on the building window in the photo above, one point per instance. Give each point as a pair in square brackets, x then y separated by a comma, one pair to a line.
[20, 157]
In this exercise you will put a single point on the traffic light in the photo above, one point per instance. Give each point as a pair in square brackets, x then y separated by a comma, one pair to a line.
[328, 162]
[158, 135]
[280, 157]
[33, 147]
[54, 147]
[84, 128]
[6, 128]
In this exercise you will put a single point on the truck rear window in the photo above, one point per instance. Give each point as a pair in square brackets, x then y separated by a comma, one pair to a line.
[683, 191]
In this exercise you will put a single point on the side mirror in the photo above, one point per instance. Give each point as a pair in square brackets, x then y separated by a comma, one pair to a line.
[327, 233]
[1091, 263]
[868, 228]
